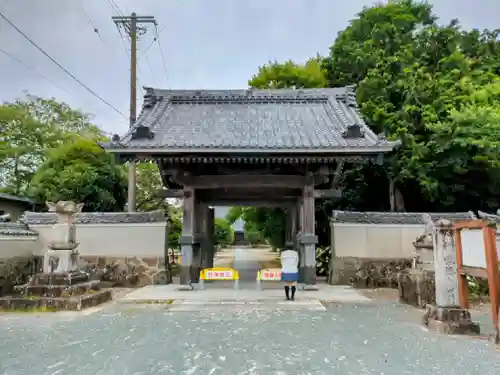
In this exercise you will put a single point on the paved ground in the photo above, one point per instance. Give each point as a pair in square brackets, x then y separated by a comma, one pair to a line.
[375, 337]
[344, 339]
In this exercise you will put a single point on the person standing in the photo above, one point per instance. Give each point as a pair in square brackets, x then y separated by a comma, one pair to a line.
[290, 271]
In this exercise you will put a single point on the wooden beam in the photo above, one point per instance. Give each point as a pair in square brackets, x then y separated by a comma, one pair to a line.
[170, 193]
[249, 202]
[328, 193]
[256, 195]
[338, 173]
[243, 181]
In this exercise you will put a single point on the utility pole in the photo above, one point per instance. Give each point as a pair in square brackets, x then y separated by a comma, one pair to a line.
[132, 26]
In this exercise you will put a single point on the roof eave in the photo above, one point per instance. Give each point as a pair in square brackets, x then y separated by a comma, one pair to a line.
[376, 149]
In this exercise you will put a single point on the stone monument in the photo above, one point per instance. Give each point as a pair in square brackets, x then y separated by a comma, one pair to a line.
[62, 256]
[446, 316]
[417, 284]
[62, 285]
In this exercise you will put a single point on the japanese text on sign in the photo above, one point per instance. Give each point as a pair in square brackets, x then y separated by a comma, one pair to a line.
[271, 275]
[219, 274]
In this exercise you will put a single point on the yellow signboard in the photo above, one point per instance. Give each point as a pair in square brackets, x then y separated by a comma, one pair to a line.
[219, 274]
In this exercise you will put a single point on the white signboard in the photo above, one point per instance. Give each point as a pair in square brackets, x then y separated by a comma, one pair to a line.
[473, 252]
[270, 275]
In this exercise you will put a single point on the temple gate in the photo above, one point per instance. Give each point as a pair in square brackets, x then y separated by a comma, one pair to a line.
[283, 148]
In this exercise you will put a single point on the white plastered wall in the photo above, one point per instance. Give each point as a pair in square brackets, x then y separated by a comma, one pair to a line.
[375, 241]
[115, 240]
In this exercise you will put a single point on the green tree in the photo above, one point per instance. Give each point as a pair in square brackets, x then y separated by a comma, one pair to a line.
[148, 184]
[30, 126]
[223, 233]
[432, 87]
[277, 75]
[82, 172]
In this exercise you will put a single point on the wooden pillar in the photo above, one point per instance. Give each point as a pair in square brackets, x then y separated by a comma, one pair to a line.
[188, 240]
[207, 246]
[298, 246]
[199, 239]
[132, 186]
[308, 238]
[291, 227]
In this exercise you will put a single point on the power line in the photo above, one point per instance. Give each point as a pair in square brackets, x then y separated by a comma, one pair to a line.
[161, 51]
[96, 30]
[34, 71]
[59, 65]
[115, 7]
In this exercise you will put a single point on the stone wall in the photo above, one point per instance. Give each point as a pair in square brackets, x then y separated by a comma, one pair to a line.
[123, 249]
[366, 272]
[127, 271]
[17, 244]
[370, 249]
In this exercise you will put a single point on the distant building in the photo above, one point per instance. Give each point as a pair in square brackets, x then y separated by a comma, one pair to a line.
[15, 205]
[239, 232]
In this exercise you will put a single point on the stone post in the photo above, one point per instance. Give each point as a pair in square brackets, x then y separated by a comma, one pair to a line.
[447, 316]
[308, 239]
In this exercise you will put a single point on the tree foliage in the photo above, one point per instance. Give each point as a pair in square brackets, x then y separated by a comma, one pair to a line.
[277, 75]
[434, 87]
[223, 232]
[82, 172]
[28, 128]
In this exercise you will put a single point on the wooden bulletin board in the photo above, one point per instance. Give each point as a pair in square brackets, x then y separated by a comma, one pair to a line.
[477, 256]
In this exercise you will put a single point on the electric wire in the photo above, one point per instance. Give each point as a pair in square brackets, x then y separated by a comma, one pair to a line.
[59, 65]
[115, 7]
[96, 30]
[161, 51]
[30, 68]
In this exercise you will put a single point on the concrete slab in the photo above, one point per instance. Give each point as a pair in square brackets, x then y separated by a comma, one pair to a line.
[330, 293]
[309, 305]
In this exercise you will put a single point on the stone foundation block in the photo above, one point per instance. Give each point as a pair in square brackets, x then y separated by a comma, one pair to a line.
[55, 303]
[367, 272]
[450, 320]
[417, 287]
[127, 271]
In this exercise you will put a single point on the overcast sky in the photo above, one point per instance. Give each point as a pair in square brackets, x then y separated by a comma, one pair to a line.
[206, 44]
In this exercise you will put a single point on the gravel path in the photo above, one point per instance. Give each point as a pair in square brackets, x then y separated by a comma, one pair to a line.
[378, 338]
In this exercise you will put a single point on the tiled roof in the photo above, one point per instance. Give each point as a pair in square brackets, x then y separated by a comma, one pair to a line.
[16, 229]
[9, 197]
[323, 120]
[48, 218]
[491, 217]
[406, 218]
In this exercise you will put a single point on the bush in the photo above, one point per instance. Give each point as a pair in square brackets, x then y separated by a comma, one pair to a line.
[223, 233]
[253, 238]
[323, 257]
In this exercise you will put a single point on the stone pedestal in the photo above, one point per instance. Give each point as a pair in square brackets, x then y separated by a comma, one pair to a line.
[60, 261]
[416, 287]
[450, 320]
[64, 286]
